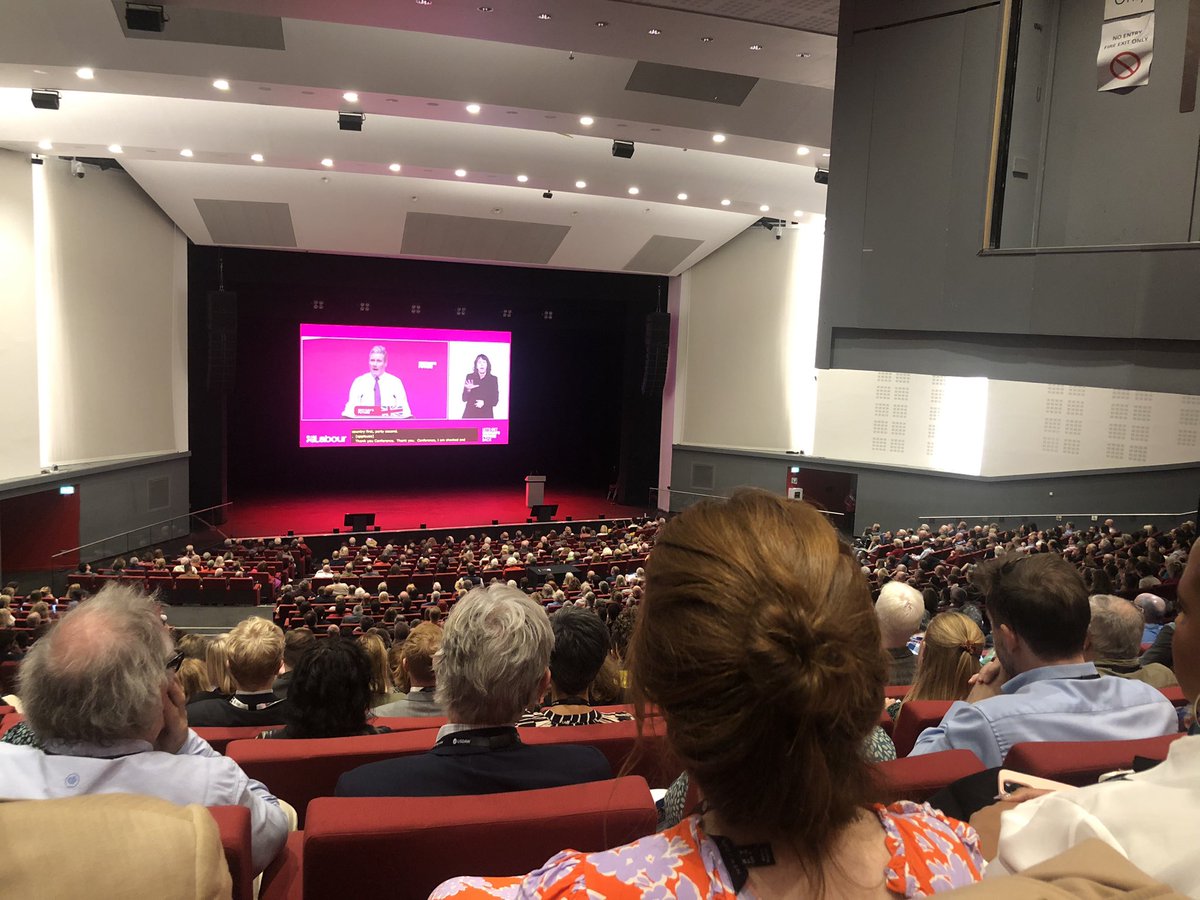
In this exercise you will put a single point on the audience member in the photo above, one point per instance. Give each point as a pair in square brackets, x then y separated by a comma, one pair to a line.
[193, 678]
[416, 657]
[296, 643]
[757, 641]
[492, 664]
[1041, 688]
[100, 692]
[1114, 642]
[947, 661]
[330, 693]
[1154, 611]
[899, 609]
[254, 650]
[382, 690]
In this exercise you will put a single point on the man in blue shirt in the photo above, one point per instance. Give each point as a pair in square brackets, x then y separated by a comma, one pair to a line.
[1154, 612]
[1042, 688]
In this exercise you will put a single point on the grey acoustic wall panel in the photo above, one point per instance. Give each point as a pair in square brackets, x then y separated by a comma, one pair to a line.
[662, 254]
[464, 237]
[248, 222]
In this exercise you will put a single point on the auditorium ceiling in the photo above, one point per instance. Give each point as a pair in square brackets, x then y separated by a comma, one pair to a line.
[473, 111]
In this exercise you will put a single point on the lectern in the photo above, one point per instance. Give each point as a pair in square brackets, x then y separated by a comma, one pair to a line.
[535, 490]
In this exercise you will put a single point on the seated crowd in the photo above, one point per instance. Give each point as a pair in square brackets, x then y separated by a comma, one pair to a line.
[756, 641]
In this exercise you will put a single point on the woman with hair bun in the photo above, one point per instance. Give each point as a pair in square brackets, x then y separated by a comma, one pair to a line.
[758, 644]
[948, 658]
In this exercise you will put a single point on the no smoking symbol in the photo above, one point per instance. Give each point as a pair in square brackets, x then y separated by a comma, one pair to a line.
[1125, 64]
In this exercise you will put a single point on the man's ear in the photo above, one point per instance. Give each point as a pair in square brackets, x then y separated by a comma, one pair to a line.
[1012, 640]
[543, 684]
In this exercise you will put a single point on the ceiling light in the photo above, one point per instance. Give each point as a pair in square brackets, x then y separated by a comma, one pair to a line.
[802, 151]
[756, 46]
[681, 196]
[221, 84]
[394, 167]
[115, 148]
[803, 55]
[473, 108]
[726, 202]
[545, 17]
[350, 96]
[706, 40]
[797, 213]
[654, 31]
[186, 152]
[586, 120]
[44, 99]
[256, 157]
[718, 138]
[45, 145]
[581, 184]
[424, 2]
[327, 162]
[522, 178]
[602, 24]
[85, 73]
[634, 190]
[764, 208]
[461, 173]
[484, 8]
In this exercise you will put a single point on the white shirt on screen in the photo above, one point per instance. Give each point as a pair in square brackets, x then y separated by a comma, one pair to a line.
[392, 396]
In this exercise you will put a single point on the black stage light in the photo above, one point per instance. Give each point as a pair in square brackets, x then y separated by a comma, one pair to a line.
[144, 17]
[350, 121]
[623, 149]
[44, 99]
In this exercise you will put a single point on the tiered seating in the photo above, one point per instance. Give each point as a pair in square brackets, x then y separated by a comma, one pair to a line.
[356, 847]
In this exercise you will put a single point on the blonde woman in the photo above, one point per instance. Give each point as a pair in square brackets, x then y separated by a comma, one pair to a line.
[382, 689]
[949, 656]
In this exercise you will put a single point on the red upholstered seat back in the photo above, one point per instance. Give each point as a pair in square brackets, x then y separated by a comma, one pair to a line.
[617, 740]
[1082, 762]
[915, 716]
[299, 770]
[405, 847]
[219, 738]
[920, 777]
[234, 824]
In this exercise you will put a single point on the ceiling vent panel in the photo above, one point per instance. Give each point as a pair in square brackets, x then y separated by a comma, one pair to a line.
[194, 25]
[248, 222]
[662, 254]
[464, 237]
[690, 84]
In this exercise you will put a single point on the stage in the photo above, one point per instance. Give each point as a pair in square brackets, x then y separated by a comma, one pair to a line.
[319, 512]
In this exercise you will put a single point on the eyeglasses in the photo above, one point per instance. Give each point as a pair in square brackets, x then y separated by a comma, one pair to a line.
[176, 661]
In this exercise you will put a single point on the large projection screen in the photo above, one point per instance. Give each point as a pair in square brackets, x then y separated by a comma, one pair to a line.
[371, 386]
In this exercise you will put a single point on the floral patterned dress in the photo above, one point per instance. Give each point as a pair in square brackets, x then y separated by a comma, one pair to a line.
[929, 853]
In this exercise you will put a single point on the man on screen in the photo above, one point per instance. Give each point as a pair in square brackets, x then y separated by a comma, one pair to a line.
[377, 393]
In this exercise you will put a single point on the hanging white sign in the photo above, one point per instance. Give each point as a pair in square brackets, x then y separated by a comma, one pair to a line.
[1126, 51]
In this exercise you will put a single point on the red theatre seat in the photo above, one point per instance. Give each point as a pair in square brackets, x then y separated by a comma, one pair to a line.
[1083, 762]
[918, 778]
[1174, 693]
[219, 738]
[618, 741]
[356, 847]
[234, 824]
[915, 717]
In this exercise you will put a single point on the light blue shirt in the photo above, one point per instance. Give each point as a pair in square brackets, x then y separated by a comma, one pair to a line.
[1052, 703]
[196, 774]
[1150, 632]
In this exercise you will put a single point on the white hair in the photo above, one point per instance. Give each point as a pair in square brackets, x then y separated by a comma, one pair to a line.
[899, 610]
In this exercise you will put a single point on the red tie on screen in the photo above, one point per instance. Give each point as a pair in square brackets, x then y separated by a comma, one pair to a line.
[378, 400]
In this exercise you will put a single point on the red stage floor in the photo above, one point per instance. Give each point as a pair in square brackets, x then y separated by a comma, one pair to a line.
[315, 514]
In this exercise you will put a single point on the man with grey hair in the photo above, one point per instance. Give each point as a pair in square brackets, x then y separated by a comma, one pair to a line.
[899, 610]
[100, 692]
[377, 392]
[494, 662]
[1114, 642]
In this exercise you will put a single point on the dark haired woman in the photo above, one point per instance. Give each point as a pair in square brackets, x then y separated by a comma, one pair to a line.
[481, 391]
[330, 693]
[758, 643]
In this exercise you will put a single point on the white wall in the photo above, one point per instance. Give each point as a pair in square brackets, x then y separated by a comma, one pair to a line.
[18, 320]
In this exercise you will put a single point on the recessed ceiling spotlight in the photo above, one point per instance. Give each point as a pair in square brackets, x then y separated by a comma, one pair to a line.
[484, 8]
[186, 152]
[424, 2]
[797, 213]
[394, 167]
[327, 162]
[635, 191]
[803, 55]
[726, 202]
[706, 40]
[473, 108]
[581, 184]
[86, 73]
[350, 96]
[256, 157]
[45, 145]
[764, 208]
[586, 120]
[654, 31]
[826, 155]
[756, 46]
[221, 84]
[802, 151]
[461, 173]
[545, 17]
[522, 178]
[601, 24]
[115, 148]
[718, 138]
[681, 196]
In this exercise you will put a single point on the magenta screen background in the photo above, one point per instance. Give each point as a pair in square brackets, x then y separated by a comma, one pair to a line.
[330, 364]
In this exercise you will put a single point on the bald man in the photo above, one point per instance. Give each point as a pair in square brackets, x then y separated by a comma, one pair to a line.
[899, 609]
[1154, 612]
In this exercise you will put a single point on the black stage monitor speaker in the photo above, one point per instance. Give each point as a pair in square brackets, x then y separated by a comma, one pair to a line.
[358, 521]
[541, 574]
[544, 512]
